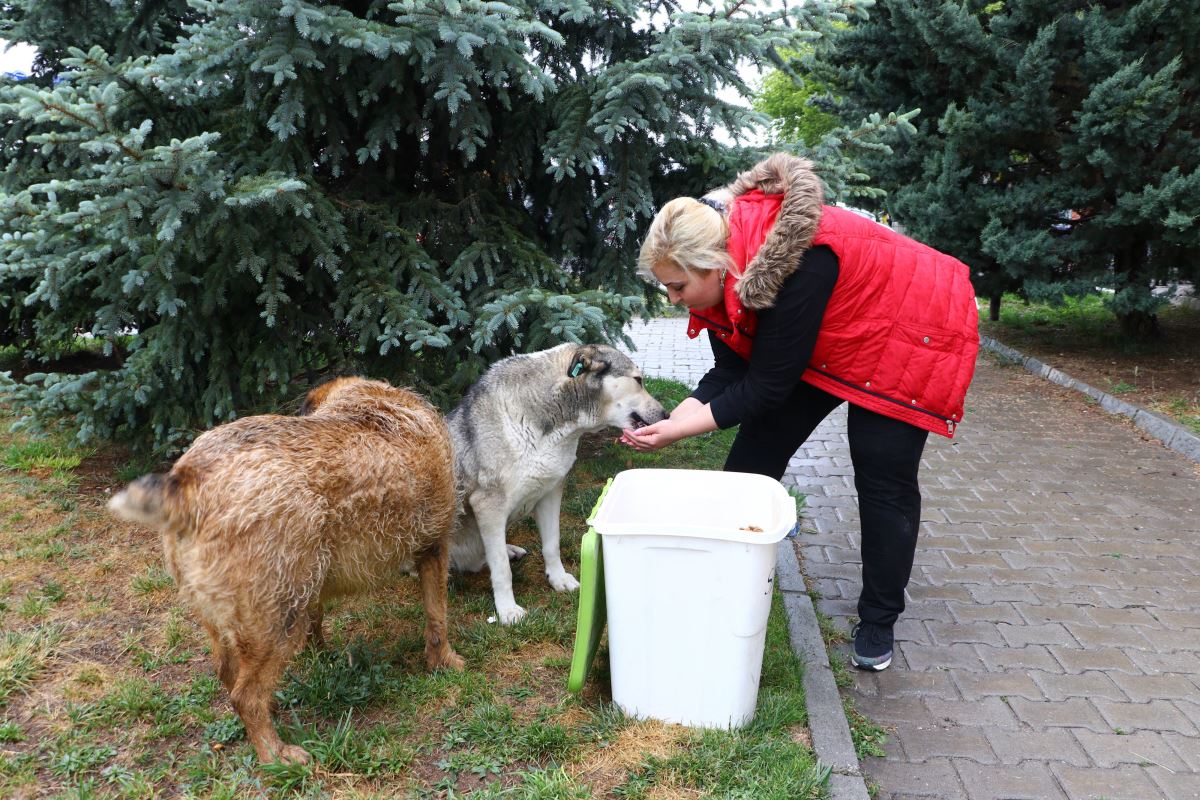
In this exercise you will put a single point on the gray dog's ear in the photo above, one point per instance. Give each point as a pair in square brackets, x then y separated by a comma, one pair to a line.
[580, 365]
[587, 359]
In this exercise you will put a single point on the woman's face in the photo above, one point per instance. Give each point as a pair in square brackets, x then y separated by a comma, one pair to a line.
[699, 288]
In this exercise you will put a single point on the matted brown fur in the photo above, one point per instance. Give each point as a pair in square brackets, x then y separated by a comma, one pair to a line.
[265, 518]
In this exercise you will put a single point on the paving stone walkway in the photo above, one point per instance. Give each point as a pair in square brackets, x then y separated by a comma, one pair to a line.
[1051, 646]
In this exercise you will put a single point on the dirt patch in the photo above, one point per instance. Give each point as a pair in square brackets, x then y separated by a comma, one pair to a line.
[1162, 375]
[608, 767]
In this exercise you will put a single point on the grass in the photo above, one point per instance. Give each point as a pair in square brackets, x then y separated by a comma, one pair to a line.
[1080, 313]
[106, 687]
[1187, 413]
[23, 655]
[45, 454]
[152, 579]
[1083, 318]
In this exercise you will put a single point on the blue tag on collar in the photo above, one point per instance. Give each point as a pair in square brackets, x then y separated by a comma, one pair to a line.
[576, 368]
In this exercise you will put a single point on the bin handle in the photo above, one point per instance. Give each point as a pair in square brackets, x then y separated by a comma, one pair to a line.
[591, 520]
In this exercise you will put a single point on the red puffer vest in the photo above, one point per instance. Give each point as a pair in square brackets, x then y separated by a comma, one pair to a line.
[900, 334]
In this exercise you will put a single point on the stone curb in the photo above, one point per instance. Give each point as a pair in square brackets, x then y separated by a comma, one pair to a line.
[826, 714]
[1171, 434]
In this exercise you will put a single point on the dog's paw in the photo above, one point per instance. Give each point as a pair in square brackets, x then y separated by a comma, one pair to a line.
[511, 615]
[291, 754]
[566, 582]
[516, 553]
[447, 659]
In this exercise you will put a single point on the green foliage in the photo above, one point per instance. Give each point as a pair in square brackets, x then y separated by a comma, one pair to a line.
[225, 730]
[123, 28]
[235, 199]
[788, 98]
[344, 749]
[868, 736]
[809, 119]
[10, 732]
[1055, 145]
[330, 681]
[81, 758]
[290, 778]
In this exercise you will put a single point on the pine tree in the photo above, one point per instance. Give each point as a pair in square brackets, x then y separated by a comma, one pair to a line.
[1056, 149]
[121, 28]
[409, 190]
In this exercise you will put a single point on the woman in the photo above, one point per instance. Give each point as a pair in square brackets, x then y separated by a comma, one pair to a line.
[807, 306]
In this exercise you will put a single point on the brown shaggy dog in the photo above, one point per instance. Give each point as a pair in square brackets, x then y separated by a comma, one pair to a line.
[265, 518]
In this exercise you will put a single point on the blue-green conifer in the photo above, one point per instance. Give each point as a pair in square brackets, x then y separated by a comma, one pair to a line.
[290, 188]
[1056, 150]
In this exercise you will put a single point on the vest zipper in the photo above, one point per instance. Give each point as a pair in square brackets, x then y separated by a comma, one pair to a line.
[712, 323]
[735, 328]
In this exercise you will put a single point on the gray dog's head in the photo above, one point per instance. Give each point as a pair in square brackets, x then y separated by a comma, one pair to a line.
[616, 384]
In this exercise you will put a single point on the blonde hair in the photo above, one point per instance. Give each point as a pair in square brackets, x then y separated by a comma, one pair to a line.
[686, 234]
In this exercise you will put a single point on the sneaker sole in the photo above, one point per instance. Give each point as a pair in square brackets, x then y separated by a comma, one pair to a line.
[876, 667]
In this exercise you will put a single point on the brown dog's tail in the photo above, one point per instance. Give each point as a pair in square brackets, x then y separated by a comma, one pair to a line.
[145, 501]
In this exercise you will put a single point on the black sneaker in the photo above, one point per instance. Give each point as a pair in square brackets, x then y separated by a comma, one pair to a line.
[872, 646]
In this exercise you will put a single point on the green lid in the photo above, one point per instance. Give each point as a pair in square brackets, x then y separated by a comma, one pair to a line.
[590, 622]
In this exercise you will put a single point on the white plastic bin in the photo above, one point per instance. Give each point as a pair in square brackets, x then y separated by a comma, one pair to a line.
[689, 566]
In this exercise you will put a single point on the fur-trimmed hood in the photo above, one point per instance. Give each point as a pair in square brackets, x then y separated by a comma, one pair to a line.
[794, 228]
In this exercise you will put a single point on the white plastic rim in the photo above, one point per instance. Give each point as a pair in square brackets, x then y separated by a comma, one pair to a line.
[731, 506]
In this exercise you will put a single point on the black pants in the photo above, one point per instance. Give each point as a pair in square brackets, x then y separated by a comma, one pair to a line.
[886, 454]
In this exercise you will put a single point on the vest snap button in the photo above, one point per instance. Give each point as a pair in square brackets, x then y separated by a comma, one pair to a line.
[925, 340]
[868, 383]
[692, 330]
[914, 402]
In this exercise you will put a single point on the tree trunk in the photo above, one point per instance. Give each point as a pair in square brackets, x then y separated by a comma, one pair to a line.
[994, 307]
[1140, 325]
[1136, 323]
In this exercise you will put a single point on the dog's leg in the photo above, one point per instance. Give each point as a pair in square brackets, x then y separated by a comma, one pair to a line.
[466, 547]
[260, 664]
[224, 658]
[434, 565]
[547, 515]
[492, 518]
[316, 619]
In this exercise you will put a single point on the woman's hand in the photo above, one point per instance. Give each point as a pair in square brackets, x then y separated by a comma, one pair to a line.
[652, 437]
[694, 419]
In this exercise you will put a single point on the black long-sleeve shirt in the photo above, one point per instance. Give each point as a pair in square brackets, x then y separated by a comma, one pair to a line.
[783, 344]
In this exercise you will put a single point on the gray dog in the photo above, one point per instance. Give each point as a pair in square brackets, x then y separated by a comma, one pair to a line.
[515, 435]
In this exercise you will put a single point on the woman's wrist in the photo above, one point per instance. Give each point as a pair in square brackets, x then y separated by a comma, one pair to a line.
[685, 409]
[698, 420]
